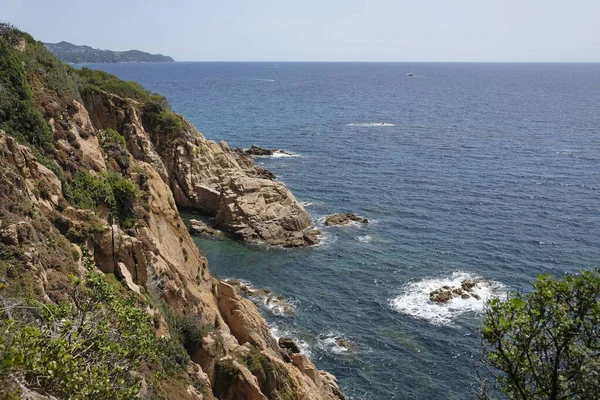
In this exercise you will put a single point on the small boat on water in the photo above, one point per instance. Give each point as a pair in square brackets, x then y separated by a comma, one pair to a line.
[410, 74]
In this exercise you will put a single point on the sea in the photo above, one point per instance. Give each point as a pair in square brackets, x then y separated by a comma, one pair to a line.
[464, 170]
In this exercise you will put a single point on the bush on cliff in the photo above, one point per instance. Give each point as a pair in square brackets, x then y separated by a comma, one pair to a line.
[19, 116]
[92, 79]
[546, 344]
[86, 347]
[118, 194]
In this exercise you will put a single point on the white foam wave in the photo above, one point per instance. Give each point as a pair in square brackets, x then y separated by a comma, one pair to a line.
[264, 80]
[371, 124]
[266, 299]
[325, 239]
[279, 154]
[414, 300]
[331, 342]
[364, 239]
[278, 332]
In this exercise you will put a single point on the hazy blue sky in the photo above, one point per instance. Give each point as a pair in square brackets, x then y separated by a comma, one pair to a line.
[316, 30]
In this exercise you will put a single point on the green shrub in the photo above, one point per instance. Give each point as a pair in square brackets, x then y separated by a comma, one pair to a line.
[191, 332]
[271, 377]
[126, 197]
[89, 191]
[92, 79]
[118, 194]
[18, 115]
[115, 148]
[87, 347]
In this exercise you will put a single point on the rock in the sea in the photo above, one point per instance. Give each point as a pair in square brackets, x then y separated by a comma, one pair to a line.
[288, 343]
[198, 227]
[469, 284]
[344, 219]
[440, 296]
[345, 344]
[464, 291]
[262, 210]
[255, 150]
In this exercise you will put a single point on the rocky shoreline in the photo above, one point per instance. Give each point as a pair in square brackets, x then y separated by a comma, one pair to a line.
[103, 197]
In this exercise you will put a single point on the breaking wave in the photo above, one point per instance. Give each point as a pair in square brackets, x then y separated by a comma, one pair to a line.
[414, 300]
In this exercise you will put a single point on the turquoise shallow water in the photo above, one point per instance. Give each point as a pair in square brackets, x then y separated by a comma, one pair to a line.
[489, 170]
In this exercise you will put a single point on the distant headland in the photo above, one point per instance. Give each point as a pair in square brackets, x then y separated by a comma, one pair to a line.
[71, 53]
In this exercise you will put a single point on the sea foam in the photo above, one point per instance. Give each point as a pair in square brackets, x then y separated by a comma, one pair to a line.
[371, 124]
[414, 300]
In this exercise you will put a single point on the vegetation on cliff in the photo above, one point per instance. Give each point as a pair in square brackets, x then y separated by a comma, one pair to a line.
[103, 293]
[93, 339]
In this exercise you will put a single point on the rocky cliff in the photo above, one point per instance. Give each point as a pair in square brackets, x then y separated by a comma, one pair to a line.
[242, 198]
[93, 251]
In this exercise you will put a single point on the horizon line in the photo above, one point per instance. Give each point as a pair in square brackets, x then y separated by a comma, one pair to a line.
[355, 62]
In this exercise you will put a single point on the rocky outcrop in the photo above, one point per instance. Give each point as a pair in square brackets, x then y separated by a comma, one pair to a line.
[198, 227]
[344, 219]
[289, 344]
[466, 290]
[260, 210]
[243, 318]
[33, 179]
[242, 197]
[257, 151]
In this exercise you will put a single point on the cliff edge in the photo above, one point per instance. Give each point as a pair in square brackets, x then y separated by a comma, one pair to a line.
[103, 293]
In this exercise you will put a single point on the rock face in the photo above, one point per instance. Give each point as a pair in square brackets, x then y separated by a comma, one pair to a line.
[465, 291]
[242, 197]
[344, 219]
[262, 210]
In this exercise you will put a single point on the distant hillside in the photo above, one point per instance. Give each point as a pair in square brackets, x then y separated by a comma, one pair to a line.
[71, 53]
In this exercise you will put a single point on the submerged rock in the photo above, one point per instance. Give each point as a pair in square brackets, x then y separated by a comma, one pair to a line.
[345, 344]
[344, 219]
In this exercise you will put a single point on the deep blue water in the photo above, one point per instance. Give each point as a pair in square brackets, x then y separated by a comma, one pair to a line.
[489, 170]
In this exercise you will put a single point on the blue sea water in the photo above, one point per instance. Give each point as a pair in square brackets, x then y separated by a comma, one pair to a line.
[465, 170]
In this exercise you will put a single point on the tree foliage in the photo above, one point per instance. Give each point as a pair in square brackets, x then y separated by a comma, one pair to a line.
[546, 344]
[86, 347]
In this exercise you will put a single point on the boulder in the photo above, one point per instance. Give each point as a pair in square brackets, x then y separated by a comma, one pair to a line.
[440, 296]
[344, 219]
[469, 284]
[288, 343]
[123, 273]
[10, 236]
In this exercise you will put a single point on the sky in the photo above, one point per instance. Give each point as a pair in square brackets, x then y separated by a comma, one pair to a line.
[322, 30]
